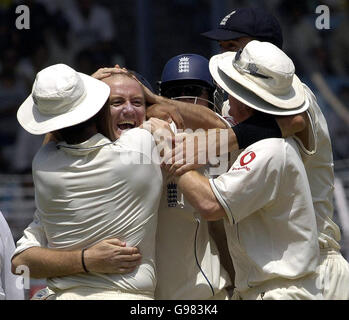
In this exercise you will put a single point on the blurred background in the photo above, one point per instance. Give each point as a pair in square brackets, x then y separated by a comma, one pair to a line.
[143, 35]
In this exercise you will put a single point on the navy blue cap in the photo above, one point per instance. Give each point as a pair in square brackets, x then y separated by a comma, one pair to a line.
[187, 67]
[251, 22]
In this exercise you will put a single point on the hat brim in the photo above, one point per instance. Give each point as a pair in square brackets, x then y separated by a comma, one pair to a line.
[97, 93]
[223, 35]
[250, 95]
[293, 99]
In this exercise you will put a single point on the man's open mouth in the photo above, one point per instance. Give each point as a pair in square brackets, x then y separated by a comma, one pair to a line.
[126, 125]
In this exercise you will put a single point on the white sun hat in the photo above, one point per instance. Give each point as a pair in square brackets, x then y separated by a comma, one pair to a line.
[61, 97]
[261, 76]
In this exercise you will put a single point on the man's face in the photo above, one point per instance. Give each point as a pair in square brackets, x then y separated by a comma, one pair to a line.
[127, 103]
[234, 45]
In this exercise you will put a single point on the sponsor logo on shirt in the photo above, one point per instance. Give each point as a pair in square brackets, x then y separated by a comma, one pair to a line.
[245, 159]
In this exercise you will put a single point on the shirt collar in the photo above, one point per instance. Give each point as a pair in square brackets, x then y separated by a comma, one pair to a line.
[94, 143]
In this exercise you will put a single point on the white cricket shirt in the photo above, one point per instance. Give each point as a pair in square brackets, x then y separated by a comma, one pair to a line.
[97, 190]
[181, 235]
[178, 273]
[270, 225]
[318, 162]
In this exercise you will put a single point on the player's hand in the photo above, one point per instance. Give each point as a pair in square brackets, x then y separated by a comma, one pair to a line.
[155, 125]
[102, 73]
[189, 153]
[162, 133]
[167, 113]
[112, 256]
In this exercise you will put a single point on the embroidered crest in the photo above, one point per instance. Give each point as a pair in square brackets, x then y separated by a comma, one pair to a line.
[171, 195]
[183, 65]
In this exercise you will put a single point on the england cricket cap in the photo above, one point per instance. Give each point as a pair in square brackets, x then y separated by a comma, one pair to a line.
[248, 22]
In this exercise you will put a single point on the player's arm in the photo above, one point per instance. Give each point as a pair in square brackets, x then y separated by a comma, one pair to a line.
[194, 116]
[258, 127]
[197, 190]
[47, 263]
[107, 256]
[290, 125]
[230, 195]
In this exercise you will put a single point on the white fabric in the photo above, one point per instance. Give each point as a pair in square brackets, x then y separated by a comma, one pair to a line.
[304, 288]
[318, 164]
[270, 225]
[178, 274]
[333, 275]
[89, 194]
[88, 293]
[318, 161]
[281, 92]
[331, 279]
[8, 281]
[61, 97]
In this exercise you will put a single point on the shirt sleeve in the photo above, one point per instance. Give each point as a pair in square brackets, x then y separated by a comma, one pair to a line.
[34, 236]
[253, 180]
[8, 281]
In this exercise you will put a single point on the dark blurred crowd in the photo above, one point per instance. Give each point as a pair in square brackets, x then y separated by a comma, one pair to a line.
[87, 34]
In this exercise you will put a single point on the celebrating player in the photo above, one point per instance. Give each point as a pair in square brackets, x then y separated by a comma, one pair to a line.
[89, 188]
[264, 198]
[236, 30]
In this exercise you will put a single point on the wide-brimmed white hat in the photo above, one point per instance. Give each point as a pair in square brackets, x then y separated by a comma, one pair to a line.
[61, 97]
[261, 76]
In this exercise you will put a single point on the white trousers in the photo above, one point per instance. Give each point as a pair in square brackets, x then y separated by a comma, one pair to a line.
[329, 282]
[333, 273]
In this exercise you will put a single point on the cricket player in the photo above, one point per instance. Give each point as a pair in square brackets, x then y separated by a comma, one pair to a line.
[265, 197]
[236, 30]
[89, 188]
[188, 261]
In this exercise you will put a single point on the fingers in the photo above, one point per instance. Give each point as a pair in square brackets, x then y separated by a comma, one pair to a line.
[130, 260]
[177, 119]
[103, 73]
[116, 242]
[129, 251]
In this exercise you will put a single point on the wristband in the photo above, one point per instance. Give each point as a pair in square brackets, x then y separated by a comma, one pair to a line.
[257, 127]
[83, 260]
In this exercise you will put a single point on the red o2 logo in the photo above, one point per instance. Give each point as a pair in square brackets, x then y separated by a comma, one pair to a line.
[247, 158]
